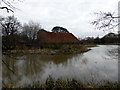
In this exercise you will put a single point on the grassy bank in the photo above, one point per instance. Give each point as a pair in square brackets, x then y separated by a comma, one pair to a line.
[68, 83]
[64, 49]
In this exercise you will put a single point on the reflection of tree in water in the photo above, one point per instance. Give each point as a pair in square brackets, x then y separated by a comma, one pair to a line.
[70, 67]
[34, 63]
[80, 58]
[33, 66]
[57, 59]
[113, 52]
[8, 69]
[30, 66]
[84, 61]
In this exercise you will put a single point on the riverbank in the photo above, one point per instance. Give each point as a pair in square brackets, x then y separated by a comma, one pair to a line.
[67, 83]
[65, 49]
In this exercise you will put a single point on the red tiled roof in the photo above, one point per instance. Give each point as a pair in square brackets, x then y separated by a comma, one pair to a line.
[56, 37]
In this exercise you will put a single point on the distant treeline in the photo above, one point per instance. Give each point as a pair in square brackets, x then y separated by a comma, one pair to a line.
[107, 39]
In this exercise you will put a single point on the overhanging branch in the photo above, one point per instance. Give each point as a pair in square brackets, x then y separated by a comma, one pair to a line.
[7, 9]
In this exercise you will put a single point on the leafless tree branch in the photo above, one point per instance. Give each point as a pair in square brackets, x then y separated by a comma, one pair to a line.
[8, 5]
[7, 9]
[8, 67]
[106, 20]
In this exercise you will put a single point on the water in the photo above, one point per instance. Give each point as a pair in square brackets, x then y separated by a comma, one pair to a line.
[96, 65]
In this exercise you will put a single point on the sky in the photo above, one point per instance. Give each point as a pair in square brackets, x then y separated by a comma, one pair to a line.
[74, 15]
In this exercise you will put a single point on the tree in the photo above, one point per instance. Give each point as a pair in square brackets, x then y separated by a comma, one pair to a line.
[97, 40]
[10, 25]
[59, 29]
[106, 21]
[31, 30]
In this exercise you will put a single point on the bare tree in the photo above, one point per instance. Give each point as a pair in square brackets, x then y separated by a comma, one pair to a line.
[10, 25]
[106, 21]
[31, 29]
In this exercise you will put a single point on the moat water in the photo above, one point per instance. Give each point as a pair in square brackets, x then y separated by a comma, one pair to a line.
[96, 65]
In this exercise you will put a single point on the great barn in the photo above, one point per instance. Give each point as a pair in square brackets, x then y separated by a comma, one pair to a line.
[56, 37]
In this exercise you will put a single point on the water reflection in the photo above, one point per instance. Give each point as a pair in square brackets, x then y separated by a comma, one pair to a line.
[101, 63]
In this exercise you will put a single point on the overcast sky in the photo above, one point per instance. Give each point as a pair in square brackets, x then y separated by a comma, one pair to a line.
[75, 15]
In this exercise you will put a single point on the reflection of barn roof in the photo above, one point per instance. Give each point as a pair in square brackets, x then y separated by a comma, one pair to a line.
[56, 37]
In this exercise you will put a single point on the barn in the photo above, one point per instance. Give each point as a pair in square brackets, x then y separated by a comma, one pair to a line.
[56, 37]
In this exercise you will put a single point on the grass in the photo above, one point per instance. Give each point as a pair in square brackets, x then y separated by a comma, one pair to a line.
[64, 49]
[90, 45]
[67, 83]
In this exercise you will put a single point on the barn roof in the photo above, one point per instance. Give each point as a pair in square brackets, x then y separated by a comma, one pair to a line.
[56, 37]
